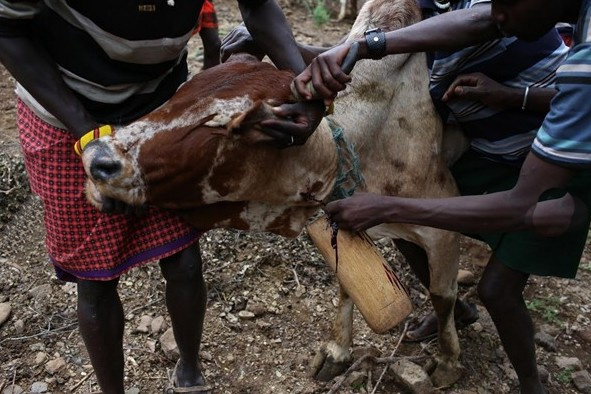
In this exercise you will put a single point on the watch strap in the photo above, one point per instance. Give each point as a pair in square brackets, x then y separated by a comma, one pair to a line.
[375, 40]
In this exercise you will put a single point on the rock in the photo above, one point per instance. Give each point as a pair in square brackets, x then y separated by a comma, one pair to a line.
[19, 326]
[412, 377]
[145, 322]
[356, 378]
[255, 307]
[546, 341]
[55, 365]
[168, 345]
[544, 374]
[466, 277]
[205, 355]
[70, 288]
[151, 345]
[585, 335]
[158, 325]
[570, 363]
[40, 358]
[5, 310]
[133, 390]
[582, 381]
[13, 389]
[40, 291]
[246, 315]
[39, 387]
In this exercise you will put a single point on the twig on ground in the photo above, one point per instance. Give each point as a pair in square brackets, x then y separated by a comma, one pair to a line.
[373, 359]
[84, 379]
[156, 301]
[295, 276]
[52, 331]
[391, 355]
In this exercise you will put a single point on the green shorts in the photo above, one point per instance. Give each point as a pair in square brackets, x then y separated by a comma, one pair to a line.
[524, 250]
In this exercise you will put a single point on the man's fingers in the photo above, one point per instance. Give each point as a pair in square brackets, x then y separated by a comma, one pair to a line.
[301, 85]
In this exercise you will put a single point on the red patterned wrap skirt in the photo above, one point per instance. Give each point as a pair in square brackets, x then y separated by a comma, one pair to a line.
[81, 241]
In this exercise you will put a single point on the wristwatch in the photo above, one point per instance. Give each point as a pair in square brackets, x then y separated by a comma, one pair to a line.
[375, 39]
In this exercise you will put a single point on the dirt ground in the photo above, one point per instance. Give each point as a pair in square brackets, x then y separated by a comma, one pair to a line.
[285, 283]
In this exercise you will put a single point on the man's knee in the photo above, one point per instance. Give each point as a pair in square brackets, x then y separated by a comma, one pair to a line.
[96, 290]
[500, 285]
[185, 265]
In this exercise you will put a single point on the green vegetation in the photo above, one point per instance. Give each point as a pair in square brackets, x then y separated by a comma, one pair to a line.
[318, 11]
[546, 307]
[564, 376]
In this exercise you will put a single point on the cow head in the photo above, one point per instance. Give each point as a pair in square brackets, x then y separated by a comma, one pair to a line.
[203, 153]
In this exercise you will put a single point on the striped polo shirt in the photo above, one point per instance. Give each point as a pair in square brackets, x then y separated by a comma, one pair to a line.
[501, 134]
[565, 136]
[122, 58]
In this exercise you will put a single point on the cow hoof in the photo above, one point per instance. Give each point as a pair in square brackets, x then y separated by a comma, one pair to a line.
[325, 367]
[444, 374]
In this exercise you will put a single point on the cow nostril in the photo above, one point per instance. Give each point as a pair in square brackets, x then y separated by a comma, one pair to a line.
[103, 169]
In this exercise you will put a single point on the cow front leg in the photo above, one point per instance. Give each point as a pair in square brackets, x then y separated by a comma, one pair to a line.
[334, 356]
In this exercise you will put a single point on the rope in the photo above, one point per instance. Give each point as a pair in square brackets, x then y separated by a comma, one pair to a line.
[349, 175]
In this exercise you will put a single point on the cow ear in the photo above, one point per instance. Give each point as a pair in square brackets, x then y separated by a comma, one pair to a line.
[246, 125]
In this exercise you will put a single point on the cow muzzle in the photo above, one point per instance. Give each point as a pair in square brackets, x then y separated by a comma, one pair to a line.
[111, 173]
[104, 168]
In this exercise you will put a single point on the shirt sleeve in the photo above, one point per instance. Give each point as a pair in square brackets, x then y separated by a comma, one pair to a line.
[478, 2]
[565, 136]
[15, 16]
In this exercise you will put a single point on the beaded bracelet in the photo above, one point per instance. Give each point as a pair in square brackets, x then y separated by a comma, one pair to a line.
[90, 136]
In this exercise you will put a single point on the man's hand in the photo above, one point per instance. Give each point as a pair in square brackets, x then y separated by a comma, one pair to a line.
[479, 87]
[326, 74]
[358, 212]
[239, 40]
[295, 123]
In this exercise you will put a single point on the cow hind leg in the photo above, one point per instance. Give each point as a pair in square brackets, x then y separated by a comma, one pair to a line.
[343, 9]
[435, 262]
[334, 357]
[443, 254]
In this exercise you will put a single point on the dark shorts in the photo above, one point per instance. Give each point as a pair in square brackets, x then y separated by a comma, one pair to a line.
[524, 250]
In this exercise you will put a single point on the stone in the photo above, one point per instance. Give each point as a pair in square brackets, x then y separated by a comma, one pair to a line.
[546, 341]
[466, 278]
[39, 387]
[355, 378]
[582, 381]
[585, 335]
[158, 325]
[168, 345]
[55, 365]
[5, 310]
[13, 389]
[412, 377]
[246, 315]
[40, 291]
[40, 358]
[143, 325]
[544, 374]
[569, 363]
[19, 327]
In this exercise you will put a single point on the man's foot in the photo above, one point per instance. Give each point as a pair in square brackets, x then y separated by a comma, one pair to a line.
[426, 328]
[181, 383]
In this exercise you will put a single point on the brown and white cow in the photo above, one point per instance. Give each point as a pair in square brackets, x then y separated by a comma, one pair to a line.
[200, 154]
